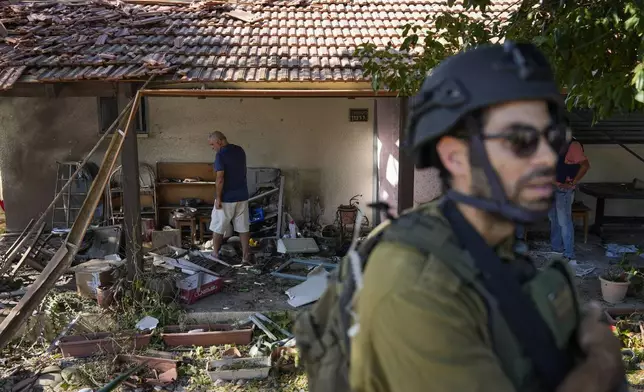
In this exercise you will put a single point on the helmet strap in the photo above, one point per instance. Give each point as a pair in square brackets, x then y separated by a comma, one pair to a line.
[498, 203]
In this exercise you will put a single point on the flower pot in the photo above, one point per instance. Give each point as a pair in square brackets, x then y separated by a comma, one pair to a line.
[613, 292]
[210, 335]
[102, 343]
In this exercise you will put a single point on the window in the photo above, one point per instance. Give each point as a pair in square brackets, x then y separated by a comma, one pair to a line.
[108, 111]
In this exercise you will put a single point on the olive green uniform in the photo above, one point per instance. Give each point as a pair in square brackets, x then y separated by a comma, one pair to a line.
[421, 328]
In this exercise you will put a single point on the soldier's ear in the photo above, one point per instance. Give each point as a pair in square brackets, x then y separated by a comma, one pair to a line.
[454, 155]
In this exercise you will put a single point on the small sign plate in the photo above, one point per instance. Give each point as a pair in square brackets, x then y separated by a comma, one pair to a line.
[358, 115]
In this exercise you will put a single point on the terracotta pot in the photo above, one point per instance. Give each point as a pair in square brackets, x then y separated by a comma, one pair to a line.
[167, 368]
[613, 292]
[280, 362]
[212, 335]
[101, 343]
[625, 311]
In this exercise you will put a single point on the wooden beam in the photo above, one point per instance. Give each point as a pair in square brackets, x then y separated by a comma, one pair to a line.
[61, 90]
[264, 93]
[30, 247]
[131, 201]
[405, 163]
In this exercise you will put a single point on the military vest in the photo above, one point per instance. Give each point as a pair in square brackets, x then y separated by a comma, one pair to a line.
[323, 331]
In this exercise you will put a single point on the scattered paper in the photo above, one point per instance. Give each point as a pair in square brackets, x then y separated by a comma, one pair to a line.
[616, 250]
[147, 322]
[581, 270]
[310, 290]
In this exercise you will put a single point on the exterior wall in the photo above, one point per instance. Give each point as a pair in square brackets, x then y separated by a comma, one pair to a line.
[311, 140]
[320, 152]
[611, 163]
[35, 133]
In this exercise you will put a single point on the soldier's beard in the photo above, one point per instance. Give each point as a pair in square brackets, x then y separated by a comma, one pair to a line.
[481, 189]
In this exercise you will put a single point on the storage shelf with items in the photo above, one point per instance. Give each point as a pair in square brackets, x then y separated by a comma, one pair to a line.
[185, 184]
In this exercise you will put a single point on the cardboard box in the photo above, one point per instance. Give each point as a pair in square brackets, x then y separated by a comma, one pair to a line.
[194, 287]
[96, 273]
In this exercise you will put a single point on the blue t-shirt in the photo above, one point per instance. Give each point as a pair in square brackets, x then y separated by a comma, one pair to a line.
[231, 159]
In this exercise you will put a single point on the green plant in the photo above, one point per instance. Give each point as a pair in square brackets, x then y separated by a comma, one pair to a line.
[140, 301]
[195, 368]
[595, 47]
[623, 271]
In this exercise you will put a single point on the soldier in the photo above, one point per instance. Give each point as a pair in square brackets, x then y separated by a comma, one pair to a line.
[437, 300]
[463, 312]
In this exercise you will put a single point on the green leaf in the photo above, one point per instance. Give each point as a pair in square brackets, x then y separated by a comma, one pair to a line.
[591, 48]
[639, 97]
[632, 22]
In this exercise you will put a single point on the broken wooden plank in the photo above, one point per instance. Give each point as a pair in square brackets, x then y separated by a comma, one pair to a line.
[26, 229]
[28, 251]
[65, 255]
[11, 256]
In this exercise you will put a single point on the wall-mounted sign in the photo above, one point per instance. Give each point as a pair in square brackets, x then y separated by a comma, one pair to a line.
[358, 115]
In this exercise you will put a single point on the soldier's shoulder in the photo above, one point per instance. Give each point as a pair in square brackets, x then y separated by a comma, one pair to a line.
[398, 268]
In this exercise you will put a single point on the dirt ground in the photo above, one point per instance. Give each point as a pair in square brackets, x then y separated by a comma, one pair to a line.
[592, 255]
[254, 289]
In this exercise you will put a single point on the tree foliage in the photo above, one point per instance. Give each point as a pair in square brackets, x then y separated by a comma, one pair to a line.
[596, 46]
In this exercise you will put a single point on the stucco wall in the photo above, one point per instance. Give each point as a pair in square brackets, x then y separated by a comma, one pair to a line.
[312, 140]
[319, 151]
[614, 164]
[35, 133]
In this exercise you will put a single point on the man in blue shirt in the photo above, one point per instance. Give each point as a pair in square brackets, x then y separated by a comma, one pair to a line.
[231, 201]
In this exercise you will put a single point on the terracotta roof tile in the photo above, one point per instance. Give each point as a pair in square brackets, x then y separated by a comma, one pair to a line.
[110, 40]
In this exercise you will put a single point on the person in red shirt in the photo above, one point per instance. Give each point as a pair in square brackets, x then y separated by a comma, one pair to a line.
[571, 168]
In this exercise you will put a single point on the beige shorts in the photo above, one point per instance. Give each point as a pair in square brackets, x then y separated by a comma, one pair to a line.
[236, 212]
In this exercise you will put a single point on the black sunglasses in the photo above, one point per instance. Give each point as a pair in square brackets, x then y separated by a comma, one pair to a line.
[525, 139]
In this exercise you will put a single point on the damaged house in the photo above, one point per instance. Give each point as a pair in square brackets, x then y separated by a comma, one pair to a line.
[279, 78]
[281, 81]
[138, 85]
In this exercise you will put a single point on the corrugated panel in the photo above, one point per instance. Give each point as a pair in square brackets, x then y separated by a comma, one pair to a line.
[621, 128]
